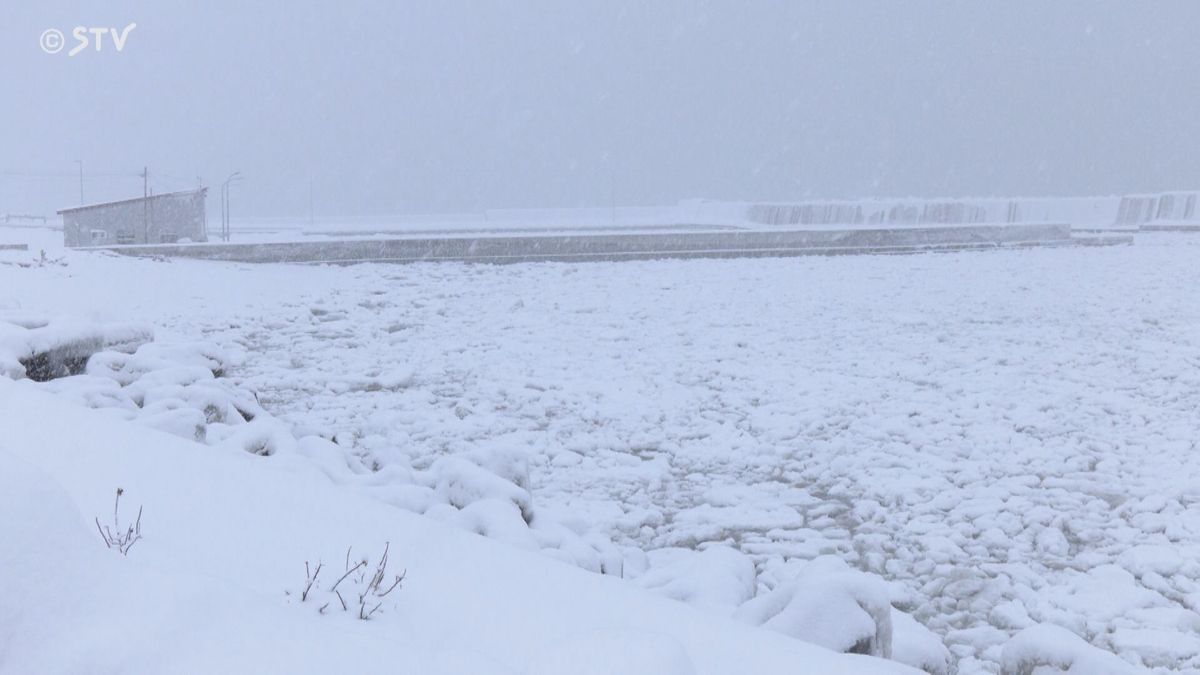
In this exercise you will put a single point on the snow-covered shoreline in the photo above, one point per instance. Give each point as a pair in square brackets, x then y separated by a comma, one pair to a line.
[769, 407]
[212, 586]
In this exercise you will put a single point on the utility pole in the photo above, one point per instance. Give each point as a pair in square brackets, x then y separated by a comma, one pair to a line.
[613, 176]
[80, 163]
[199, 189]
[225, 203]
[145, 205]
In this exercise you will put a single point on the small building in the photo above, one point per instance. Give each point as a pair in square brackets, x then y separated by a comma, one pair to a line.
[158, 219]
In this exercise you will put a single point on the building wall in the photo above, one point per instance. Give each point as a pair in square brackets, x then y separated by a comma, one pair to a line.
[155, 220]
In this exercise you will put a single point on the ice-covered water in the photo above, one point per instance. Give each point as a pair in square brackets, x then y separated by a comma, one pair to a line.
[1008, 435]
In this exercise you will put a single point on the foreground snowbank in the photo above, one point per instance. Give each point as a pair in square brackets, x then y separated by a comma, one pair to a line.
[180, 388]
[227, 534]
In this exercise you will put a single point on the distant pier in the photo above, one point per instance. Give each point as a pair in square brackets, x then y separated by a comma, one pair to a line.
[675, 242]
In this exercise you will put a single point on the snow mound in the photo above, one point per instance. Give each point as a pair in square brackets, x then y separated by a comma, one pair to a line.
[915, 645]
[262, 436]
[460, 483]
[1046, 648]
[718, 578]
[829, 605]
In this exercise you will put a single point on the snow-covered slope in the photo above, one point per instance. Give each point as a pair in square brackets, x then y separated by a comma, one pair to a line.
[213, 585]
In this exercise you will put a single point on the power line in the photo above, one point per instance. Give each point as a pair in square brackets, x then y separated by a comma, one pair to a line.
[94, 174]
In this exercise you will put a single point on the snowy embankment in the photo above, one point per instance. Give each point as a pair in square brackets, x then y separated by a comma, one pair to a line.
[181, 389]
[213, 584]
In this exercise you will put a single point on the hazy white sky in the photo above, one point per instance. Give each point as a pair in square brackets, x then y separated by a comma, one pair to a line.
[390, 107]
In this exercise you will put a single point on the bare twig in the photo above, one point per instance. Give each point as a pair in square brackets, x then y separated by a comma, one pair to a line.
[107, 541]
[399, 578]
[310, 579]
[366, 616]
[348, 572]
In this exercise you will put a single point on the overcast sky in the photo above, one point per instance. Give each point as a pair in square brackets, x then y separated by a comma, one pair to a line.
[408, 107]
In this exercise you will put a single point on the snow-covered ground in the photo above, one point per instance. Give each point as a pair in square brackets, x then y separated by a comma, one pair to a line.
[1005, 436]
[214, 583]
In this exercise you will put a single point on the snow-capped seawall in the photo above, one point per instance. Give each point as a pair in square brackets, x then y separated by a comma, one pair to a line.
[1117, 212]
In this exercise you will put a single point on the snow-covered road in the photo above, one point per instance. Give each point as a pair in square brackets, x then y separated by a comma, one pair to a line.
[1009, 436]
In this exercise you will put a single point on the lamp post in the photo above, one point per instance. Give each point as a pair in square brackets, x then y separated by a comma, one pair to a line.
[236, 175]
[80, 163]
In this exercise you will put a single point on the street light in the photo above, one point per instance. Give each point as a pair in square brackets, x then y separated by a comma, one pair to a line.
[80, 163]
[236, 175]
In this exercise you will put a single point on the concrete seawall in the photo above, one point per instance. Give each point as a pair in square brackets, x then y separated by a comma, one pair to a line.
[502, 248]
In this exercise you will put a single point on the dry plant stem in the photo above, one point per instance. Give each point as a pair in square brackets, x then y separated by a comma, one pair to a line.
[310, 579]
[368, 589]
[123, 541]
[348, 572]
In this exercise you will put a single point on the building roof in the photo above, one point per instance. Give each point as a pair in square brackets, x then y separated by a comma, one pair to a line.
[135, 199]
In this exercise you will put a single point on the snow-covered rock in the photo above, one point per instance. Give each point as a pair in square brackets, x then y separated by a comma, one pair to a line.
[461, 482]
[45, 349]
[1046, 648]
[840, 609]
[717, 578]
[915, 645]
